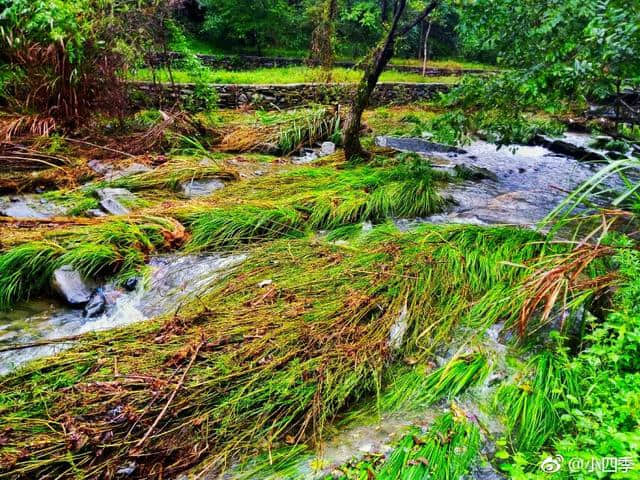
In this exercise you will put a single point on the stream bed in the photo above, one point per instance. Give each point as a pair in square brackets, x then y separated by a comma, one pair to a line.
[513, 185]
[518, 185]
[174, 279]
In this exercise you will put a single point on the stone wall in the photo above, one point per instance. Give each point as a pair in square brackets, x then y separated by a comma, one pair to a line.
[250, 62]
[285, 96]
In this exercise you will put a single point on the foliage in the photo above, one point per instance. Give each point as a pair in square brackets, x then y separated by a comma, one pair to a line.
[262, 359]
[249, 23]
[67, 55]
[570, 46]
[600, 419]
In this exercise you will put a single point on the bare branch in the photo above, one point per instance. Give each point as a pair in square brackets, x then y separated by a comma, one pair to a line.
[424, 14]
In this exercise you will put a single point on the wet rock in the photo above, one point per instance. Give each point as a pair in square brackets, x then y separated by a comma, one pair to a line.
[70, 286]
[20, 210]
[485, 473]
[132, 169]
[564, 147]
[113, 207]
[96, 305]
[95, 213]
[127, 471]
[99, 167]
[201, 188]
[104, 193]
[474, 173]
[417, 145]
[131, 284]
[111, 200]
[28, 206]
[398, 330]
[327, 148]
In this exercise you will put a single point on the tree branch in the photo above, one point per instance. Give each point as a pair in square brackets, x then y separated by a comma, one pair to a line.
[424, 14]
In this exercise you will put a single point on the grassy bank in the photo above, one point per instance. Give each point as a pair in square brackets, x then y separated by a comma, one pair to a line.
[282, 75]
[275, 362]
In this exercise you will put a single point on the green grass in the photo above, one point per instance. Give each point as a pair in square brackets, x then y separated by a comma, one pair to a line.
[274, 362]
[444, 453]
[416, 388]
[197, 45]
[284, 75]
[101, 250]
[531, 404]
[318, 198]
[449, 63]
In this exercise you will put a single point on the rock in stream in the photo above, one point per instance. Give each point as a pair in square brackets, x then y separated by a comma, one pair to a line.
[518, 185]
[174, 281]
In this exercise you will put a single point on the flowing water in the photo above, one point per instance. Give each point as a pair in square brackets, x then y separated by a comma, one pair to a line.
[518, 186]
[521, 184]
[173, 281]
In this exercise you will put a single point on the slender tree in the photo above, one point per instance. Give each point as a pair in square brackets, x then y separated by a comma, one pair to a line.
[378, 60]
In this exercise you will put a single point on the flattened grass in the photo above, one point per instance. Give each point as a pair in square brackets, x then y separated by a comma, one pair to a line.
[275, 361]
[317, 198]
[104, 249]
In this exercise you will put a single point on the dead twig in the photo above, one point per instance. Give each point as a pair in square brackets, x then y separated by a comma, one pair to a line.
[173, 395]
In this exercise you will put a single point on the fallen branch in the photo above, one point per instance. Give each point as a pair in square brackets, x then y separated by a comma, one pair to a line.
[173, 395]
[100, 146]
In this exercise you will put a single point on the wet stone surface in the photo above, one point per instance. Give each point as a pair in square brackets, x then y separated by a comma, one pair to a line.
[201, 188]
[174, 281]
[28, 206]
[523, 186]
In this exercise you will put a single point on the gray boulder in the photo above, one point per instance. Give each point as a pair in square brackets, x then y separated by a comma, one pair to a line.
[201, 188]
[111, 200]
[327, 148]
[70, 286]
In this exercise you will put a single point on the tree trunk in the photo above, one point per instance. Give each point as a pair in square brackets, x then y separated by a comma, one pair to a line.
[322, 37]
[380, 57]
[425, 57]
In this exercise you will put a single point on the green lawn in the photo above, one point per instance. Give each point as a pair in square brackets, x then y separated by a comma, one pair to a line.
[197, 45]
[285, 75]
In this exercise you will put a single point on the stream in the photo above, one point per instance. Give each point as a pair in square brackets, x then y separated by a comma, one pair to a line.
[174, 279]
[517, 186]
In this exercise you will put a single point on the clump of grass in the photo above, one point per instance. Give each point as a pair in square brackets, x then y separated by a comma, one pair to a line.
[25, 271]
[531, 403]
[243, 224]
[171, 175]
[276, 360]
[446, 452]
[104, 249]
[416, 388]
[319, 198]
[284, 133]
